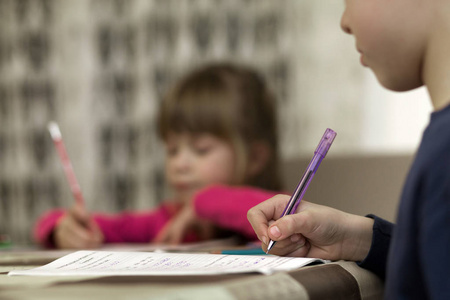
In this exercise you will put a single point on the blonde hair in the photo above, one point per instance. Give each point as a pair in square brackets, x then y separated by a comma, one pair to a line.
[233, 103]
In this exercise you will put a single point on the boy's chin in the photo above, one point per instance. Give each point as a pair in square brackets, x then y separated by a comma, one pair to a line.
[403, 84]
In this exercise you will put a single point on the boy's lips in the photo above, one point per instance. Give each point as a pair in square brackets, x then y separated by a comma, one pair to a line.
[361, 58]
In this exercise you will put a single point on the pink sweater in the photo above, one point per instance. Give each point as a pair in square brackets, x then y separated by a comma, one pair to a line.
[225, 206]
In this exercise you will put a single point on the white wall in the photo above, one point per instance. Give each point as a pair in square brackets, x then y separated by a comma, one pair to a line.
[333, 90]
[393, 121]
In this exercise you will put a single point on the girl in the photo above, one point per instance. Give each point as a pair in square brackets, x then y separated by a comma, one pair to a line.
[218, 125]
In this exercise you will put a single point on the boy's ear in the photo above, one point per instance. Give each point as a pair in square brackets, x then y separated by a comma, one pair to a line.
[259, 155]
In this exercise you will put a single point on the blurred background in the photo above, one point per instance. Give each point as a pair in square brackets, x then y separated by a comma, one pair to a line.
[99, 68]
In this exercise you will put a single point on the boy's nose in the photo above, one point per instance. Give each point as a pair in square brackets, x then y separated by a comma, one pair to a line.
[345, 23]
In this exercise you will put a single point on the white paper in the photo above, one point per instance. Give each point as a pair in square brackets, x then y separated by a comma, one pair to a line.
[111, 263]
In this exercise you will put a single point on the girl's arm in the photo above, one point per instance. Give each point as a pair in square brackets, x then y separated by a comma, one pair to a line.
[133, 227]
[126, 227]
[44, 227]
[227, 206]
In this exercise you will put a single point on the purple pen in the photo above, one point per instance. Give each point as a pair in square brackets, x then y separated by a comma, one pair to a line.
[297, 196]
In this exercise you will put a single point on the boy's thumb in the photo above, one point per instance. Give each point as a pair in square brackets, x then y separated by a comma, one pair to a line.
[284, 227]
[274, 232]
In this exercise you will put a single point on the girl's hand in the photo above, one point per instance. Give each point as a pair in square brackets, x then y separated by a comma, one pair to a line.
[76, 230]
[314, 231]
[184, 222]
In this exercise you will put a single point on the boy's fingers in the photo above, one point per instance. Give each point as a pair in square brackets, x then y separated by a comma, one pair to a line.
[273, 208]
[264, 213]
[287, 248]
[287, 226]
[259, 223]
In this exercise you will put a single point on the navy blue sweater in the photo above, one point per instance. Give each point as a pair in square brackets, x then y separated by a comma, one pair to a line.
[416, 260]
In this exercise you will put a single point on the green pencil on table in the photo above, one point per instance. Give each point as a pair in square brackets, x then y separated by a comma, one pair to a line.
[249, 251]
[5, 241]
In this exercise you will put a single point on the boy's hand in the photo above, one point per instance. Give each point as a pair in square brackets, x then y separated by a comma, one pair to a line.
[184, 222]
[313, 231]
[76, 230]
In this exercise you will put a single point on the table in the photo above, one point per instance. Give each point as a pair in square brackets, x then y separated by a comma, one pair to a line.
[336, 280]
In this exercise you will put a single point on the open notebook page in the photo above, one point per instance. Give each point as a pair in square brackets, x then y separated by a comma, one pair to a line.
[111, 263]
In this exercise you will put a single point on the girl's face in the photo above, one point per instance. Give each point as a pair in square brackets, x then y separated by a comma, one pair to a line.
[390, 35]
[196, 161]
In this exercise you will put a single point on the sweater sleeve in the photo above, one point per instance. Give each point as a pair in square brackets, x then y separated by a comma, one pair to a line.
[227, 206]
[43, 229]
[125, 227]
[376, 259]
[132, 227]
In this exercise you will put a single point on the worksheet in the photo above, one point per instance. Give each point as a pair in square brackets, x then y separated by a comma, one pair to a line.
[120, 263]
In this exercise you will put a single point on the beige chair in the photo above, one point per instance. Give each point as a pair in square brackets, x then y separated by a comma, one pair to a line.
[359, 184]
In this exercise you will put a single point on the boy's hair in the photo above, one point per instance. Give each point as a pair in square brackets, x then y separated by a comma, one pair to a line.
[231, 102]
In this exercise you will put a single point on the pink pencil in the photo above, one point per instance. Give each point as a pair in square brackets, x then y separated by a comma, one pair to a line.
[67, 165]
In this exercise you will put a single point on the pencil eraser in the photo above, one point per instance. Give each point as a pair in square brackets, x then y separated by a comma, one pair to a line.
[54, 130]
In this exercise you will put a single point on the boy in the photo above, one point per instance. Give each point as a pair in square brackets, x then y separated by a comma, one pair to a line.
[407, 45]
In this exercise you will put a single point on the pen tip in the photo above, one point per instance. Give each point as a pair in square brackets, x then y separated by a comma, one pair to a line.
[269, 247]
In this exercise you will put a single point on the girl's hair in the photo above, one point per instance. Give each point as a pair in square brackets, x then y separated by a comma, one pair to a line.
[233, 103]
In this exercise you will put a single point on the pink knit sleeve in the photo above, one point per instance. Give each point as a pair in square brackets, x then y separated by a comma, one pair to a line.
[133, 227]
[43, 229]
[125, 227]
[227, 206]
